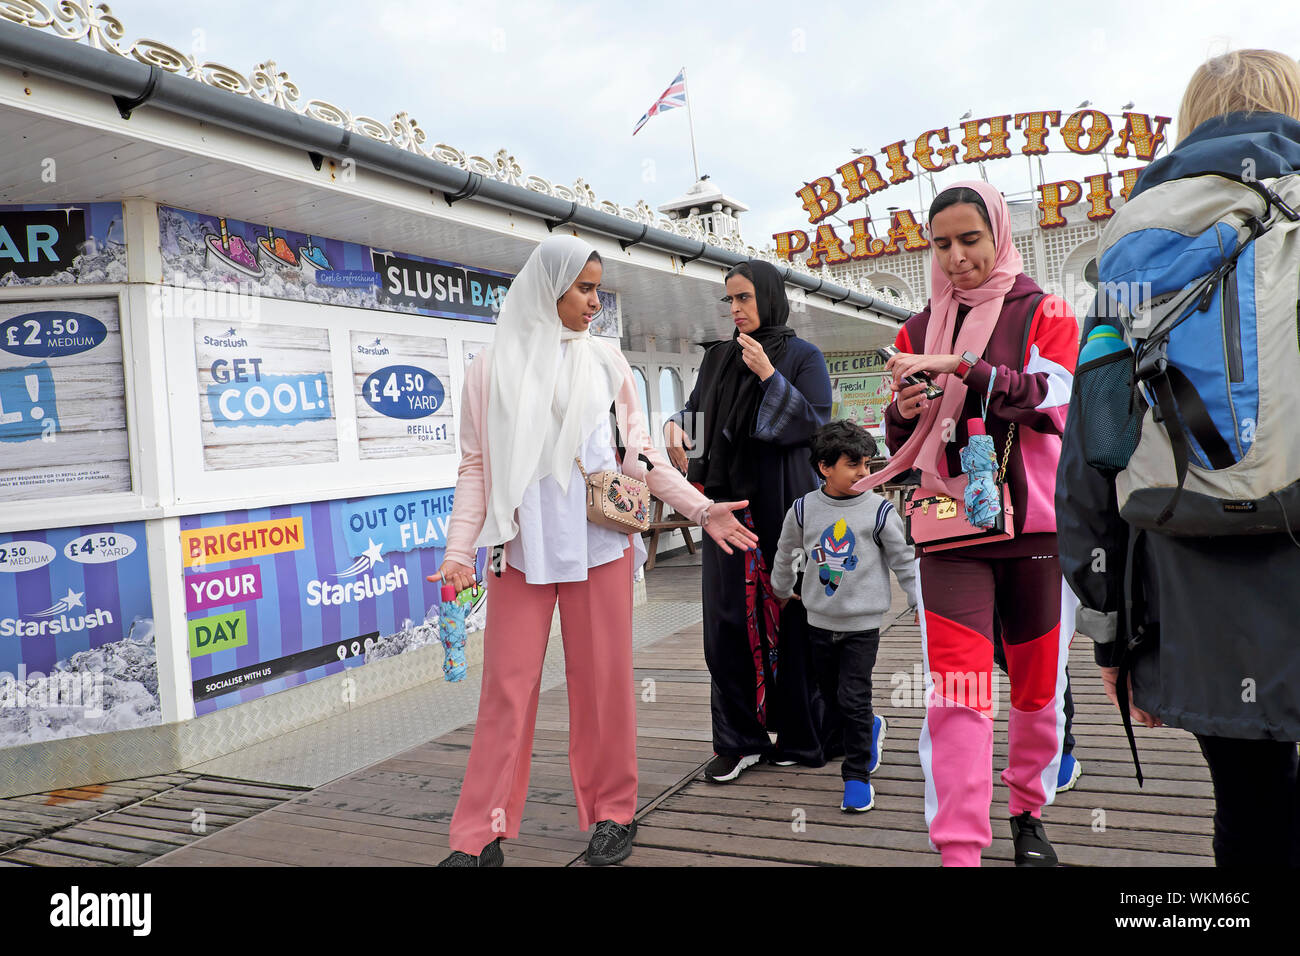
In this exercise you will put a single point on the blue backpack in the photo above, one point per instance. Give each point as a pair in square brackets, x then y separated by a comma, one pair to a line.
[1199, 417]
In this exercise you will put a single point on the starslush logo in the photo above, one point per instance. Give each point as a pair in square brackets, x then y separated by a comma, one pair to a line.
[228, 341]
[361, 589]
[56, 620]
[374, 348]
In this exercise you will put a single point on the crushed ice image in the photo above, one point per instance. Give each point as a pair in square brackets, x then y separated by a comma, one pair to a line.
[112, 687]
[98, 263]
[188, 260]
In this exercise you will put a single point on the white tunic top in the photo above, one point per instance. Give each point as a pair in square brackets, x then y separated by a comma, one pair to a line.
[556, 543]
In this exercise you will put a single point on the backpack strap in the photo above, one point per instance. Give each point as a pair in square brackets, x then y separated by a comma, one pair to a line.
[882, 515]
[1179, 408]
[1137, 634]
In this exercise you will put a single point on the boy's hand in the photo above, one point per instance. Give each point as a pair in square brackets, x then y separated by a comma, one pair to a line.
[784, 601]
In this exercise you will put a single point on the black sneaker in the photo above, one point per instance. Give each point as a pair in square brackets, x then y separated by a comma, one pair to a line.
[490, 855]
[611, 843]
[725, 769]
[1032, 848]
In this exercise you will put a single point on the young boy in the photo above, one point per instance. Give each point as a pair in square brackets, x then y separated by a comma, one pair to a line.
[851, 541]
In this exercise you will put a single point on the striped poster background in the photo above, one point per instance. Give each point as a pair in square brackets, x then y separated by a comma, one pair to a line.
[281, 622]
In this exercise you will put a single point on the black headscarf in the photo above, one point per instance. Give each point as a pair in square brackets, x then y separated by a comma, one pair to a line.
[731, 394]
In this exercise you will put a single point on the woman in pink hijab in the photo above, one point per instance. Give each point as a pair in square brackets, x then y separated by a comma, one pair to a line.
[1003, 351]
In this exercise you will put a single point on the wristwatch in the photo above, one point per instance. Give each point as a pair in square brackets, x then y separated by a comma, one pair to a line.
[966, 363]
[704, 518]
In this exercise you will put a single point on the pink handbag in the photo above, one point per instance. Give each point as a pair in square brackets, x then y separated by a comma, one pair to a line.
[936, 521]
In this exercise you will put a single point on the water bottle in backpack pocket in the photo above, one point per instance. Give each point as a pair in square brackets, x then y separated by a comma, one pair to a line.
[1111, 409]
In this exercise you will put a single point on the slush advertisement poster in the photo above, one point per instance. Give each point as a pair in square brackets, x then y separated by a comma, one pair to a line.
[62, 399]
[276, 597]
[76, 633]
[210, 252]
[43, 244]
[403, 405]
[264, 395]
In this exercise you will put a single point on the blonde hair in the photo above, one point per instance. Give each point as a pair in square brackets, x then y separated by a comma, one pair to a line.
[1241, 81]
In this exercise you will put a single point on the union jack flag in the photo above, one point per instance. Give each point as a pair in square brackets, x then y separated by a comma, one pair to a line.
[671, 98]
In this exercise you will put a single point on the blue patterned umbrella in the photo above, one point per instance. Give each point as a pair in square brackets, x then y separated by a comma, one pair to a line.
[451, 631]
[979, 462]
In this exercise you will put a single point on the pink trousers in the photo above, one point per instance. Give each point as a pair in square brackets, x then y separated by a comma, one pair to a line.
[596, 624]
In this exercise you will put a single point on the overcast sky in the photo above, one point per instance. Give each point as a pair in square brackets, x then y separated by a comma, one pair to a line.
[781, 92]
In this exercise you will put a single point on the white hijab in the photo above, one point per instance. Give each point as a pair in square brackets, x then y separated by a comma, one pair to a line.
[541, 407]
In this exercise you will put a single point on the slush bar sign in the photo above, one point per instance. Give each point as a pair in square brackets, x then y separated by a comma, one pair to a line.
[434, 287]
[40, 243]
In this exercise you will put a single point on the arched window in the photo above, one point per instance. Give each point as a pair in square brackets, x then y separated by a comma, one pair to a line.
[641, 389]
[670, 391]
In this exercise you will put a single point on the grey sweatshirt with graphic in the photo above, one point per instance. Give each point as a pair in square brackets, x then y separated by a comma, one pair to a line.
[846, 574]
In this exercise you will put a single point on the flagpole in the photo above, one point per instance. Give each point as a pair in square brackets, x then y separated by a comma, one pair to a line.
[690, 119]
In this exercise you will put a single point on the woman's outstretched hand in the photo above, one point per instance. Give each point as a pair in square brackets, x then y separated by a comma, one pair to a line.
[460, 576]
[724, 529]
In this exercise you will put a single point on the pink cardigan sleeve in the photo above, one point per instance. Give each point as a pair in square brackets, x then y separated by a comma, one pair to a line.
[665, 481]
[469, 505]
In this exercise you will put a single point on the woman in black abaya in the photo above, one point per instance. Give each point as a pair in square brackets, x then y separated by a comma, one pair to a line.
[756, 402]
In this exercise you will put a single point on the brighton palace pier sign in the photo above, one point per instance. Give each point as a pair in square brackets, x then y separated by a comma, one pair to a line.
[1085, 132]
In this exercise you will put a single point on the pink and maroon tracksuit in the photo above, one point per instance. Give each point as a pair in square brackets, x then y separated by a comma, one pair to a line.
[1030, 360]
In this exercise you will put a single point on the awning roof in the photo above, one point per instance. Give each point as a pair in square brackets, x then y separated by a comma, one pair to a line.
[177, 160]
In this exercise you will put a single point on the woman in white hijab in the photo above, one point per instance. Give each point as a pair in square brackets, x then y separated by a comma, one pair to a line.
[537, 399]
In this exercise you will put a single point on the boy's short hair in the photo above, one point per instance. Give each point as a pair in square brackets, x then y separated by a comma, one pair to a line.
[838, 438]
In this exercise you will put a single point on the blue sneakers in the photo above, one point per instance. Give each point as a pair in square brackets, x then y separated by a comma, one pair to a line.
[859, 796]
[1070, 771]
[878, 728]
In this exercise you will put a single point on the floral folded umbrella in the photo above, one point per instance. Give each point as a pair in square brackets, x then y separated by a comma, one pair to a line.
[979, 462]
[451, 632]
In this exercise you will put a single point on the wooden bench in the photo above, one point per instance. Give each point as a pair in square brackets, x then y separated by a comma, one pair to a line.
[659, 524]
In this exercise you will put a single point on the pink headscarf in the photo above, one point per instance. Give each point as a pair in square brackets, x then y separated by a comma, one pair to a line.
[926, 448]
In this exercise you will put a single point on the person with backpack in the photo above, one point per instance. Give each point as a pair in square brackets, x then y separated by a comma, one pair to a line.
[851, 540]
[535, 420]
[1178, 495]
[1003, 354]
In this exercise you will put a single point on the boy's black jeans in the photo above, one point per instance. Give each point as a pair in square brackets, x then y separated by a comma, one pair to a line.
[842, 664]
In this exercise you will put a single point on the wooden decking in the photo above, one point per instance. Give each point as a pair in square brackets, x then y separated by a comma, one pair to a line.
[126, 823]
[396, 812]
